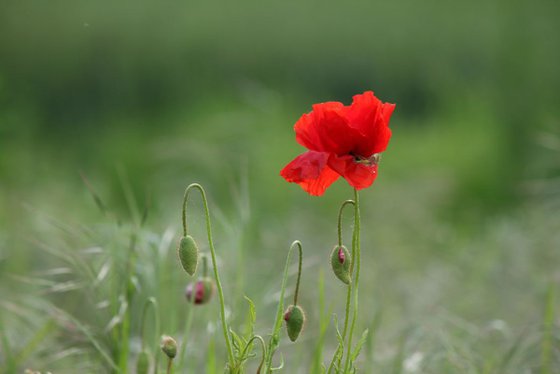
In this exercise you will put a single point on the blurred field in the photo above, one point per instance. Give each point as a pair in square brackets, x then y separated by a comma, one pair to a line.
[461, 231]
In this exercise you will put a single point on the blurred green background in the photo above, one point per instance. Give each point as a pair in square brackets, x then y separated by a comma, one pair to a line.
[144, 98]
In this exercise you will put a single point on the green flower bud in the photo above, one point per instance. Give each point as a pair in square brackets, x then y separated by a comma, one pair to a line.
[295, 319]
[143, 363]
[340, 263]
[169, 346]
[188, 254]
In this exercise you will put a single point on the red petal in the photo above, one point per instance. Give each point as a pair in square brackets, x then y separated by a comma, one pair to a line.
[370, 117]
[358, 175]
[326, 129]
[311, 172]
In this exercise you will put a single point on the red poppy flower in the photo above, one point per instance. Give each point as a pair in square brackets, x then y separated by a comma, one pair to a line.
[341, 141]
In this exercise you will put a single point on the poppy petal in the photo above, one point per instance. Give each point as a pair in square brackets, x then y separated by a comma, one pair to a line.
[358, 175]
[326, 129]
[311, 172]
[370, 116]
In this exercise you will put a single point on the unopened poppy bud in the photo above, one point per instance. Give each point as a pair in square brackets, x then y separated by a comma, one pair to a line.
[169, 346]
[188, 254]
[201, 291]
[295, 319]
[340, 263]
[143, 363]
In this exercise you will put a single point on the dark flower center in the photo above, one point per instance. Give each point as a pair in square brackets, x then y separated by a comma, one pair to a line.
[369, 161]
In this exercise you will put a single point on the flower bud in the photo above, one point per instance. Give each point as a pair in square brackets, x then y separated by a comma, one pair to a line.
[169, 346]
[340, 263]
[143, 363]
[201, 291]
[295, 319]
[188, 254]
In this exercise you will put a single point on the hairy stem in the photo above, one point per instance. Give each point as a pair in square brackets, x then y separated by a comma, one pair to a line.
[225, 327]
[356, 261]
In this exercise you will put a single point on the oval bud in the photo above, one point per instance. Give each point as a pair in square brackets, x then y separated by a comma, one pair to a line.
[143, 363]
[169, 346]
[188, 254]
[201, 291]
[295, 319]
[340, 263]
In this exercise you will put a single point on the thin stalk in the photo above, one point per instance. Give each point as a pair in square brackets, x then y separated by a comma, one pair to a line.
[225, 327]
[344, 204]
[169, 365]
[348, 287]
[151, 301]
[355, 260]
[263, 347]
[275, 336]
[186, 333]
[125, 325]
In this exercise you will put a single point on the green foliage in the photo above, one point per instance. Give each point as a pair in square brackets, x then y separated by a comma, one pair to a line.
[461, 234]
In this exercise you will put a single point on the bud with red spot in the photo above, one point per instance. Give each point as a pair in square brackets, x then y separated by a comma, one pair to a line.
[295, 319]
[340, 263]
[201, 291]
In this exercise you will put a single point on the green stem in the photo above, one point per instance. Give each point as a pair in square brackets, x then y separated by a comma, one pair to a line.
[337, 355]
[275, 336]
[225, 327]
[186, 333]
[169, 365]
[263, 346]
[355, 260]
[125, 325]
[344, 204]
[151, 301]
[300, 263]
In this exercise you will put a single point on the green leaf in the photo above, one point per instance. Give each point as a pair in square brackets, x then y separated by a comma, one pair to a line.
[359, 345]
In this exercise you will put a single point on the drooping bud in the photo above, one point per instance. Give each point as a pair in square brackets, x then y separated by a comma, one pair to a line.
[201, 291]
[340, 263]
[295, 319]
[143, 363]
[169, 346]
[188, 254]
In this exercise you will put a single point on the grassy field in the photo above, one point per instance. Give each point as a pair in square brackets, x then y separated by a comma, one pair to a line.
[101, 133]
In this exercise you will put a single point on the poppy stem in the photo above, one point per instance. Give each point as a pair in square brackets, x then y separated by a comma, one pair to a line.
[347, 202]
[300, 261]
[151, 301]
[204, 266]
[339, 353]
[275, 336]
[186, 334]
[225, 326]
[355, 278]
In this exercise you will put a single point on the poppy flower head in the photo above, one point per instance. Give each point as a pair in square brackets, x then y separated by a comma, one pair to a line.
[341, 141]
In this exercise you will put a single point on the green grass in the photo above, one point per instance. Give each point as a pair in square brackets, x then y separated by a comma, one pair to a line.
[452, 281]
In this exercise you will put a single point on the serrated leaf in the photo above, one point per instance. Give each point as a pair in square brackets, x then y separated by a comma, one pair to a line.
[251, 316]
[237, 341]
[359, 345]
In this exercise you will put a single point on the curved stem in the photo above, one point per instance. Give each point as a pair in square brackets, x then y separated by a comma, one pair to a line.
[347, 202]
[151, 301]
[300, 262]
[275, 337]
[339, 353]
[356, 260]
[225, 327]
[263, 346]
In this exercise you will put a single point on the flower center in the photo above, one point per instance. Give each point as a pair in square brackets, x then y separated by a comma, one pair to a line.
[369, 161]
